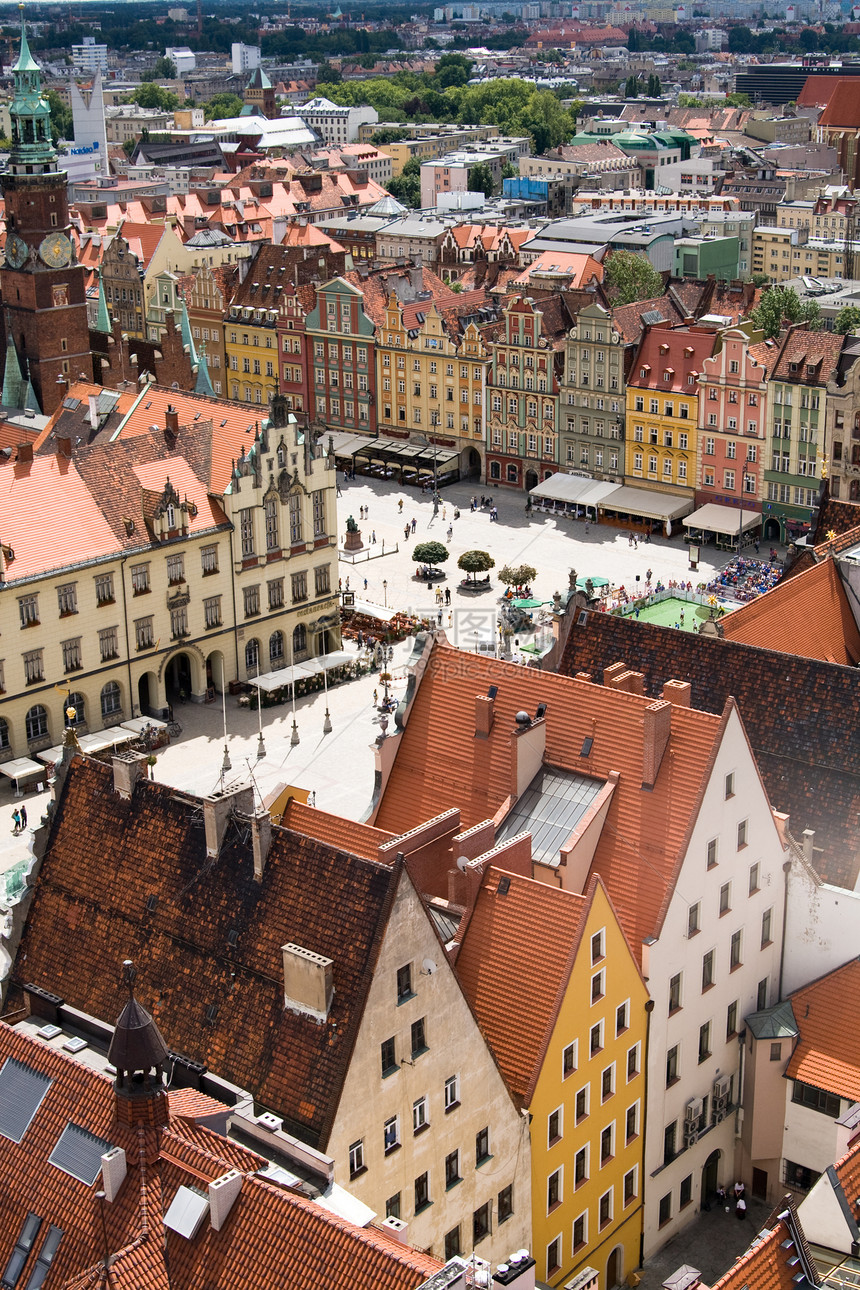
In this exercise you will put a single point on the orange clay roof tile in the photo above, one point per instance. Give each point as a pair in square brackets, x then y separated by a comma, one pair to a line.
[357, 839]
[764, 1266]
[440, 764]
[827, 1055]
[809, 615]
[512, 972]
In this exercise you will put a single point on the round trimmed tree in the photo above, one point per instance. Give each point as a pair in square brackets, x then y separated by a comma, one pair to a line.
[431, 553]
[472, 562]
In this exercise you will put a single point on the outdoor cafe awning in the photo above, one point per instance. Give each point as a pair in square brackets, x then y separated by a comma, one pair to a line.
[399, 452]
[646, 502]
[269, 681]
[21, 768]
[370, 610]
[327, 662]
[712, 518]
[138, 724]
[573, 489]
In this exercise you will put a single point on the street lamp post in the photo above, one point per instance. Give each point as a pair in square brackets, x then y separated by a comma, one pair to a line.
[261, 747]
[385, 591]
[327, 719]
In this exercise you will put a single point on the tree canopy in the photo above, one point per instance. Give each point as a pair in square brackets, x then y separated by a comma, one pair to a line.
[406, 187]
[149, 95]
[476, 562]
[781, 306]
[629, 277]
[848, 319]
[430, 553]
[61, 117]
[164, 70]
[221, 107]
[517, 575]
[481, 179]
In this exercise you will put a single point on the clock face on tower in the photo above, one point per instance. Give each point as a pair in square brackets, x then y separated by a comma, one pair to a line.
[17, 251]
[56, 250]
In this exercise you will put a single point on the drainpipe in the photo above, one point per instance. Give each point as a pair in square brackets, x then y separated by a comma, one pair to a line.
[235, 619]
[742, 1043]
[649, 1008]
[122, 564]
[786, 869]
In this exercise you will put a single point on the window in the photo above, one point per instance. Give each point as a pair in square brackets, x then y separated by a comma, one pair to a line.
[391, 1135]
[111, 700]
[799, 1177]
[580, 1167]
[582, 1103]
[422, 1192]
[707, 970]
[299, 586]
[555, 1124]
[605, 1208]
[755, 871]
[318, 511]
[108, 644]
[675, 993]
[606, 1145]
[685, 1194]
[104, 589]
[140, 579]
[693, 919]
[712, 853]
[419, 1038]
[452, 1092]
[175, 569]
[296, 517]
[67, 599]
[553, 1190]
[452, 1169]
[725, 898]
[732, 1020]
[71, 654]
[36, 722]
[505, 1203]
[607, 1082]
[776, 1052]
[580, 1232]
[669, 1148]
[568, 1060]
[816, 1099]
[143, 633]
[553, 1257]
[742, 835]
[730, 785]
[387, 1051]
[28, 610]
[766, 928]
[761, 995]
[45, 1258]
[597, 990]
[356, 1159]
[270, 510]
[420, 1117]
[665, 1209]
[275, 590]
[632, 1062]
[704, 1042]
[631, 1122]
[672, 1066]
[482, 1146]
[322, 580]
[597, 946]
[735, 951]
[452, 1243]
[20, 1253]
[622, 1018]
[596, 1038]
[404, 983]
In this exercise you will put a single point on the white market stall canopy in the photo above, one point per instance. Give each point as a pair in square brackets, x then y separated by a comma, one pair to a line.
[137, 725]
[21, 768]
[269, 681]
[712, 518]
[574, 489]
[328, 662]
[373, 611]
[647, 502]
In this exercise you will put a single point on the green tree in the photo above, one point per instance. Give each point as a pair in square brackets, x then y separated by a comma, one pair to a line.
[760, 280]
[779, 307]
[654, 88]
[406, 187]
[631, 88]
[472, 562]
[629, 277]
[453, 69]
[517, 575]
[149, 95]
[481, 179]
[61, 117]
[223, 106]
[848, 319]
[331, 75]
[164, 70]
[389, 135]
[739, 100]
[510, 171]
[432, 553]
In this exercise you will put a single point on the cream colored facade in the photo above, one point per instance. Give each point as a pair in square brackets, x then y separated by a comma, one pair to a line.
[400, 1129]
[208, 600]
[786, 252]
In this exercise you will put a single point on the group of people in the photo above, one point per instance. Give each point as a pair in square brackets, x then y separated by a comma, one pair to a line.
[740, 1204]
[746, 579]
[482, 504]
[19, 820]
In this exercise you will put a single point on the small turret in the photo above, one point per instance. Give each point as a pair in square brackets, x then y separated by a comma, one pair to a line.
[139, 1054]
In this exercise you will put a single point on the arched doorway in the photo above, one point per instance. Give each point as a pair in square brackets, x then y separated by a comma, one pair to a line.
[147, 694]
[473, 467]
[215, 671]
[615, 1268]
[710, 1178]
[178, 677]
[531, 480]
[771, 530]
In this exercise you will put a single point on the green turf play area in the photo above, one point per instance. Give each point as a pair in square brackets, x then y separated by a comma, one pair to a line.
[672, 612]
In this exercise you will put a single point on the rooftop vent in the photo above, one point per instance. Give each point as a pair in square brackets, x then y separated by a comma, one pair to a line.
[308, 981]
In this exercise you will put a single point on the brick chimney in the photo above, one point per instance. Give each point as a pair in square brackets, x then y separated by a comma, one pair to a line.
[308, 981]
[217, 810]
[261, 839]
[127, 770]
[114, 1169]
[25, 452]
[484, 714]
[171, 424]
[678, 692]
[64, 446]
[658, 727]
[223, 1193]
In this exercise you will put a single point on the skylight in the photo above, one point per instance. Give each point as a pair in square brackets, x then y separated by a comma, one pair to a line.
[21, 1092]
[79, 1153]
[187, 1211]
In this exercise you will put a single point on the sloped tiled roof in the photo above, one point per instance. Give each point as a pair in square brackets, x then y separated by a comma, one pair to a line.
[827, 1054]
[512, 973]
[809, 761]
[273, 1239]
[766, 1265]
[627, 319]
[817, 349]
[440, 764]
[680, 352]
[154, 845]
[848, 1173]
[809, 615]
[842, 110]
[357, 839]
[836, 516]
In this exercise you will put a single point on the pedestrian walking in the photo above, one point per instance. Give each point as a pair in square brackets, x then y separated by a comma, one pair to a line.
[375, 697]
[438, 595]
[406, 532]
[439, 615]
[414, 523]
[347, 584]
[648, 575]
[400, 504]
[444, 512]
[739, 1190]
[740, 1208]
[23, 816]
[373, 537]
[16, 822]
[447, 595]
[365, 584]
[450, 532]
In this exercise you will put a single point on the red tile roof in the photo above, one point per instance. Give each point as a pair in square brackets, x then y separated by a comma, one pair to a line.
[679, 351]
[842, 110]
[513, 974]
[766, 1265]
[440, 764]
[827, 1054]
[808, 615]
[848, 1173]
[817, 90]
[273, 1238]
[357, 839]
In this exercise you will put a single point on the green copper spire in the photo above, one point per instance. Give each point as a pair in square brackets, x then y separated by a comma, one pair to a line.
[103, 323]
[29, 400]
[32, 150]
[203, 385]
[185, 328]
[12, 379]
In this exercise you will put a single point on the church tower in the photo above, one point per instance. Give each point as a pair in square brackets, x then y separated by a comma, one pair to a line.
[42, 287]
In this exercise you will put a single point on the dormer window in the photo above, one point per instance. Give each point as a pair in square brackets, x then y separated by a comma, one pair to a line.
[171, 515]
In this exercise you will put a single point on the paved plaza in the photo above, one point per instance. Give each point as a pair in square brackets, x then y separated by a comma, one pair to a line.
[339, 767]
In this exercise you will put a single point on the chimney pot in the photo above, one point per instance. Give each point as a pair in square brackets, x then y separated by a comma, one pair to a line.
[484, 715]
[25, 452]
[171, 422]
[223, 1192]
[64, 446]
[114, 1168]
[678, 692]
[808, 841]
[127, 770]
[657, 729]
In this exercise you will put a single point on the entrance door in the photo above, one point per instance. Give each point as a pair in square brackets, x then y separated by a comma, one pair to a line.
[143, 696]
[710, 1178]
[531, 480]
[614, 1268]
[771, 530]
[759, 1184]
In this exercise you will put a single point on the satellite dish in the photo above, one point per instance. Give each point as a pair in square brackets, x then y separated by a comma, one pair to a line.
[429, 967]
[462, 861]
